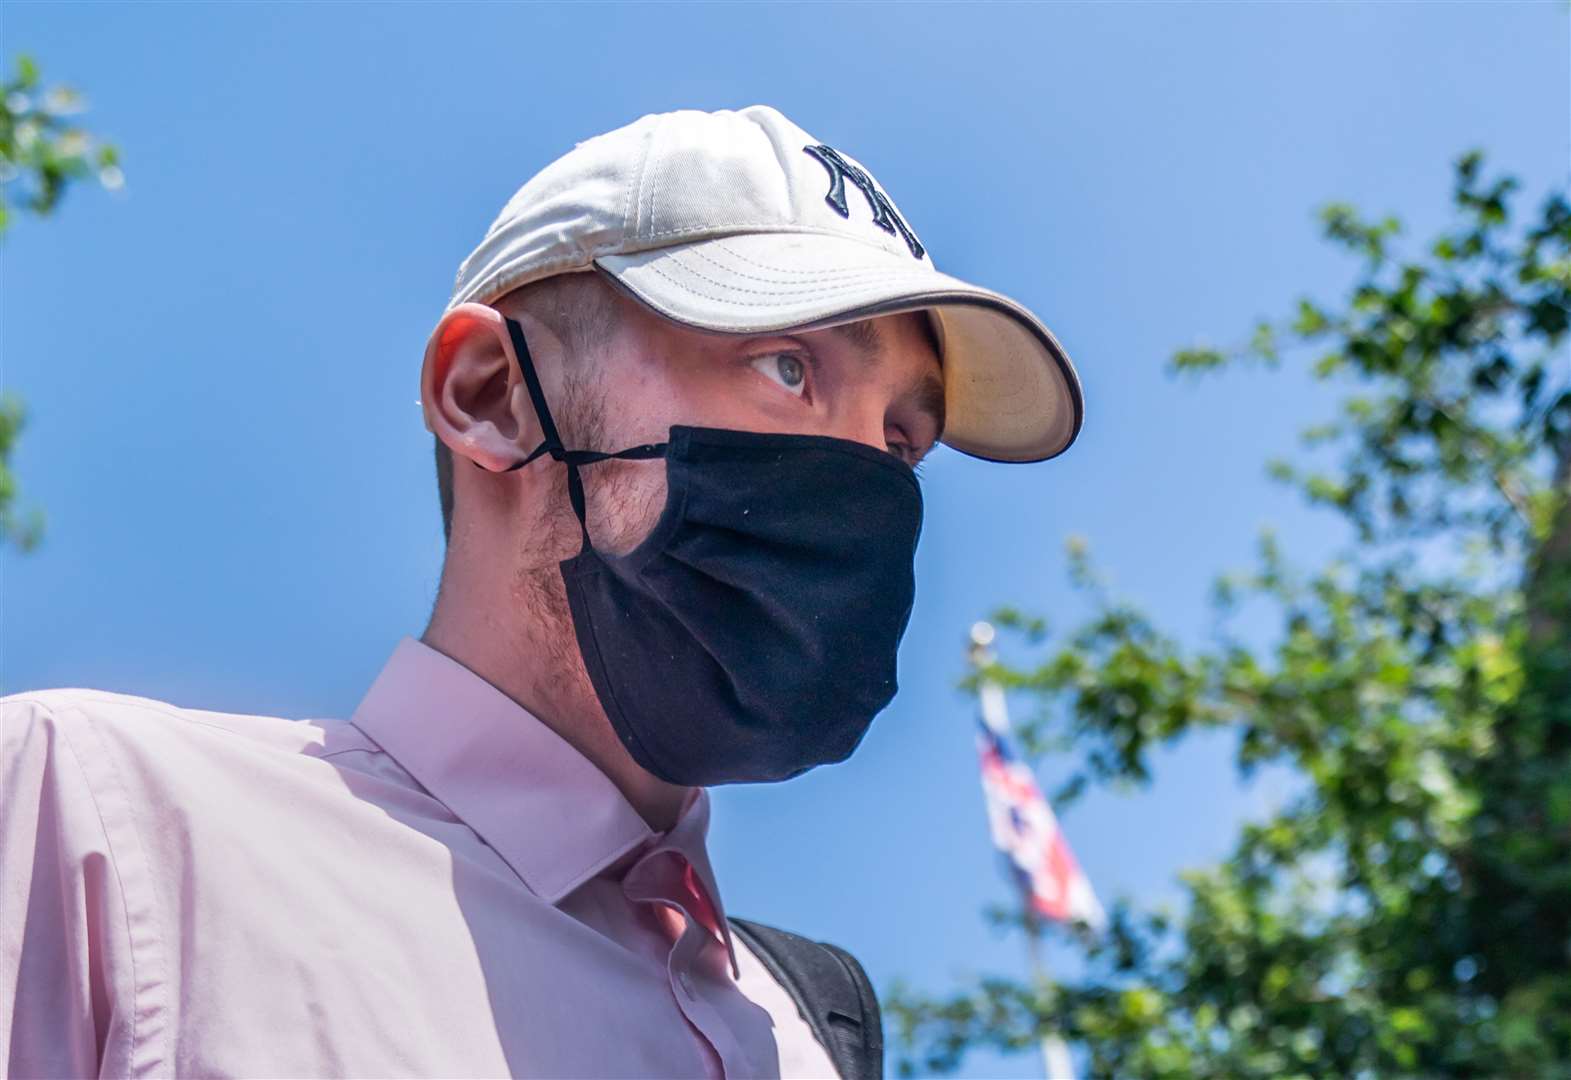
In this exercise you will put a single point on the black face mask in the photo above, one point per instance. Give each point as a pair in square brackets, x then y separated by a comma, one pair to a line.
[752, 635]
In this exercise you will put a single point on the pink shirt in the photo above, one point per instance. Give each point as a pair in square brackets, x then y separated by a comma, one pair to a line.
[440, 886]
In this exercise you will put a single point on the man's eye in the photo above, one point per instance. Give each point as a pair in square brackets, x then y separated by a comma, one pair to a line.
[787, 369]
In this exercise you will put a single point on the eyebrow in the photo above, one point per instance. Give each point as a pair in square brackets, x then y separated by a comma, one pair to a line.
[864, 336]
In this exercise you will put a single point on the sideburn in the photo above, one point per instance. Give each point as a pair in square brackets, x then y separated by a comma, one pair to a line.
[623, 498]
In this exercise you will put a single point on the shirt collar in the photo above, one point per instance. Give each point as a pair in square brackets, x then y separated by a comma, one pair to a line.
[547, 810]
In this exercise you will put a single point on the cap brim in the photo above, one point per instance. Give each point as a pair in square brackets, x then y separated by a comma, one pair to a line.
[1010, 391]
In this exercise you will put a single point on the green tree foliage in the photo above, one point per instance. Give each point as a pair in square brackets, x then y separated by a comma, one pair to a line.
[41, 152]
[41, 155]
[1407, 912]
[22, 530]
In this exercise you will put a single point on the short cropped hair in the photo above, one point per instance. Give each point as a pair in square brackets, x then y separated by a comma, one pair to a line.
[579, 308]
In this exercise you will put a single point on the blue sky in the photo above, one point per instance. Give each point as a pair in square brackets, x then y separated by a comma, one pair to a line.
[221, 362]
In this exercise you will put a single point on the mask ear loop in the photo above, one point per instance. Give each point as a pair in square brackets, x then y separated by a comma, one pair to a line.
[552, 441]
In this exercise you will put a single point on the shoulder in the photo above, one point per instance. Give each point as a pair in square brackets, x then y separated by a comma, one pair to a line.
[127, 719]
[140, 745]
[130, 828]
[169, 794]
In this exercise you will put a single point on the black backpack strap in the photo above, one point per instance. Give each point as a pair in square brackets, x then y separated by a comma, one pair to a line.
[831, 992]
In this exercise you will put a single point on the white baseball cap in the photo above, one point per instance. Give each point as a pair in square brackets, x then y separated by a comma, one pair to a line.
[741, 222]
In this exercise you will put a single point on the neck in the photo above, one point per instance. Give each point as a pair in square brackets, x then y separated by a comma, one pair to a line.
[521, 641]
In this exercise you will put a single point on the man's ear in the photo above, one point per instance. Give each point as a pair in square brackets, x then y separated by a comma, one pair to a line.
[471, 391]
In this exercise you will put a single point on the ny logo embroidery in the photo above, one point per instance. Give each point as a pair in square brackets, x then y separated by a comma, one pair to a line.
[884, 215]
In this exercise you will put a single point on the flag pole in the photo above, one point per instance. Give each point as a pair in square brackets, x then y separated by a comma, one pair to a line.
[1056, 1062]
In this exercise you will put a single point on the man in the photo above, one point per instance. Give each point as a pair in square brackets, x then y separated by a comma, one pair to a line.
[678, 394]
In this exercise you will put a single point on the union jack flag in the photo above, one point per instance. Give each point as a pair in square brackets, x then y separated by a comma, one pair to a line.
[1025, 829]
